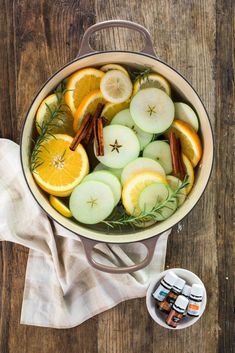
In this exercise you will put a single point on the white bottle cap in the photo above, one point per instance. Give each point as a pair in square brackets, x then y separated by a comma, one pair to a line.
[186, 290]
[197, 290]
[180, 304]
[179, 284]
[170, 278]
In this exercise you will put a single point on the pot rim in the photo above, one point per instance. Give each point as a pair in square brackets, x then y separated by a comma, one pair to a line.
[101, 53]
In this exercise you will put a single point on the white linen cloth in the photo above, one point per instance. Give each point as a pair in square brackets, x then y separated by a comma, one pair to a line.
[61, 289]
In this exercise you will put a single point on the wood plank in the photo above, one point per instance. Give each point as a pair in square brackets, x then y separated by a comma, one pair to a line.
[7, 72]
[225, 171]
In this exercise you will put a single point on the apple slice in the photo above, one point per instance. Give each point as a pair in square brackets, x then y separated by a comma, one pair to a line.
[109, 179]
[124, 118]
[155, 194]
[160, 152]
[91, 202]
[174, 184]
[141, 164]
[121, 146]
[186, 113]
[115, 171]
[134, 186]
[152, 110]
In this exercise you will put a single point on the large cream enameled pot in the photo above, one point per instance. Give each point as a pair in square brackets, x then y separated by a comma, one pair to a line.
[88, 58]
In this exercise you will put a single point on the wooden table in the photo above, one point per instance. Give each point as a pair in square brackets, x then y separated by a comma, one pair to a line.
[194, 36]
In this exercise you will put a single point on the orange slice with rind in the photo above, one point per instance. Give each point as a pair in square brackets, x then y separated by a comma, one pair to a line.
[88, 105]
[59, 169]
[60, 206]
[80, 84]
[189, 172]
[111, 109]
[190, 141]
[62, 122]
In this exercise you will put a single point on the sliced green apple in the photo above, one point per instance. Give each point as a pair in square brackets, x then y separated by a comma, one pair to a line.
[115, 171]
[174, 184]
[124, 118]
[154, 195]
[152, 110]
[91, 202]
[109, 179]
[121, 146]
[160, 152]
[184, 112]
[140, 165]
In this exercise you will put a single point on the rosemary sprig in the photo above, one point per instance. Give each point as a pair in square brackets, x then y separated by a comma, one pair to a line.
[47, 126]
[132, 220]
[140, 75]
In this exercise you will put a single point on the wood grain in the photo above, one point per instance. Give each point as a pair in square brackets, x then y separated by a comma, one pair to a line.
[37, 37]
[225, 135]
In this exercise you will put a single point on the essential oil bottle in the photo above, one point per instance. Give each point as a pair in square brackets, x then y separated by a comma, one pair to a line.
[195, 300]
[186, 293]
[164, 287]
[167, 303]
[177, 311]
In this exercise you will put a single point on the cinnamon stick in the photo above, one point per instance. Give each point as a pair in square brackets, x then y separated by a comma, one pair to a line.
[95, 132]
[89, 132]
[100, 136]
[90, 129]
[174, 154]
[98, 110]
[80, 133]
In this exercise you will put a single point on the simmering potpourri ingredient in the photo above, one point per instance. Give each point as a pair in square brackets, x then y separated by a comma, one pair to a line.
[114, 147]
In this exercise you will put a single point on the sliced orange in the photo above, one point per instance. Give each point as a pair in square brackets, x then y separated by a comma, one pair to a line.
[62, 122]
[191, 144]
[135, 185]
[190, 173]
[111, 109]
[59, 169]
[80, 84]
[88, 105]
[108, 67]
[60, 206]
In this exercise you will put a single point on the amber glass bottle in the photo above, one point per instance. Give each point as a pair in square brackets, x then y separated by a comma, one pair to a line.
[167, 303]
[177, 311]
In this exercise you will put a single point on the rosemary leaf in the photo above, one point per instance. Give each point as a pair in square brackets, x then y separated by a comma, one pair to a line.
[132, 220]
[46, 127]
[140, 75]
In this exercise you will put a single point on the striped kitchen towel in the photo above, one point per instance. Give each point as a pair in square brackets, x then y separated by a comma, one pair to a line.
[61, 289]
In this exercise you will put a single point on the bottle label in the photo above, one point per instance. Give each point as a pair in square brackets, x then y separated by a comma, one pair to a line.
[175, 319]
[193, 309]
[162, 295]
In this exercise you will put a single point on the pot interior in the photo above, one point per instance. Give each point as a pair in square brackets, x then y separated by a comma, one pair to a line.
[182, 91]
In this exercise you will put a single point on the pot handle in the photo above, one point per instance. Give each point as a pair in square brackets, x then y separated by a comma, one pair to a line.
[85, 45]
[89, 244]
